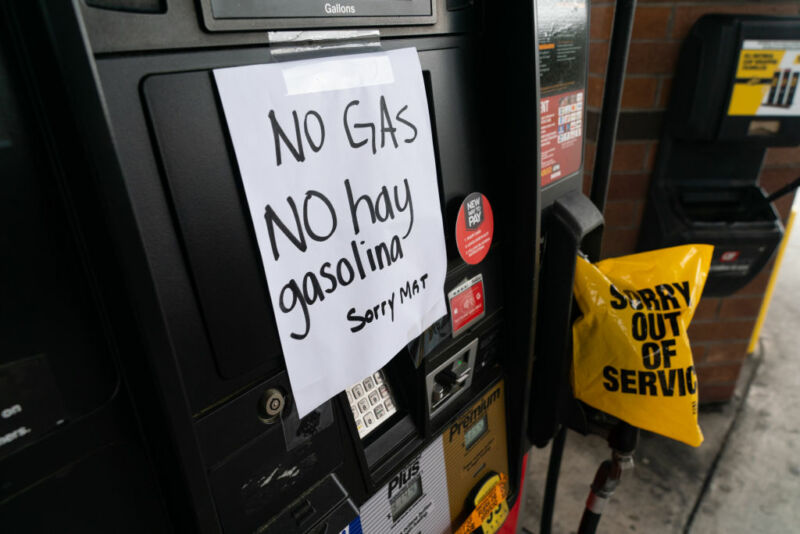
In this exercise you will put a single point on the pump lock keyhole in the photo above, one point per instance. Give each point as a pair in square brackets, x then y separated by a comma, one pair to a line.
[271, 405]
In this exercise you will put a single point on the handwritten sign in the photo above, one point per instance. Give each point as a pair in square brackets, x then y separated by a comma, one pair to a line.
[336, 158]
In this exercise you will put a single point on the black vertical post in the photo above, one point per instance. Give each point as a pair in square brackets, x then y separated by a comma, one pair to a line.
[551, 485]
[606, 140]
[612, 98]
[609, 118]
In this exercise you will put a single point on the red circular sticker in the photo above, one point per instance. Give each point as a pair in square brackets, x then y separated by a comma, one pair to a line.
[474, 228]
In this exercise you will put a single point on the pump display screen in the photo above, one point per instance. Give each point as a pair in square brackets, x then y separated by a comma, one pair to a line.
[475, 432]
[239, 9]
[407, 496]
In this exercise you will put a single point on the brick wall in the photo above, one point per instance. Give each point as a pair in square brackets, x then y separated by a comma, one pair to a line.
[722, 327]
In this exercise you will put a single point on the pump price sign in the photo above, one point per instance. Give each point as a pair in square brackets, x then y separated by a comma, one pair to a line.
[461, 472]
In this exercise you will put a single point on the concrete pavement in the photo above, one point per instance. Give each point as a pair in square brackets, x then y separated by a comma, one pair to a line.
[756, 486]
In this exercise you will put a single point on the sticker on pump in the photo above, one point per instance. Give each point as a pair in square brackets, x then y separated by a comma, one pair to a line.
[491, 507]
[353, 528]
[561, 117]
[729, 255]
[467, 303]
[474, 228]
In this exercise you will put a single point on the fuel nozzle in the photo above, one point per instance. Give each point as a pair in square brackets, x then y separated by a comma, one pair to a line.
[623, 440]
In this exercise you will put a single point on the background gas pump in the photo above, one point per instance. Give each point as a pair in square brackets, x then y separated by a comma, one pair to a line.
[726, 108]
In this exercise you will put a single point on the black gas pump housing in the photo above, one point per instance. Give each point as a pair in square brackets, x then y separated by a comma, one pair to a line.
[141, 352]
[703, 188]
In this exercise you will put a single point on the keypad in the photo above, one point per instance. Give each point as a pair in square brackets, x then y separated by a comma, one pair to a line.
[374, 398]
[371, 403]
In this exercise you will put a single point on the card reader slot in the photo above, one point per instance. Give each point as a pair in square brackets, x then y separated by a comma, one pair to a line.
[451, 378]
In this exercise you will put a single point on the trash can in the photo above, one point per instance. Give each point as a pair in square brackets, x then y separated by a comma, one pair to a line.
[728, 105]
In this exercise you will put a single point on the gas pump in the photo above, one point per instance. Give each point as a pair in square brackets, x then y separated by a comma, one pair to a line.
[129, 117]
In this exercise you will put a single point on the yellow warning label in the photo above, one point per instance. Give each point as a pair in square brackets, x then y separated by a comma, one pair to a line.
[746, 98]
[631, 356]
[756, 73]
[491, 509]
[759, 63]
[764, 83]
[495, 519]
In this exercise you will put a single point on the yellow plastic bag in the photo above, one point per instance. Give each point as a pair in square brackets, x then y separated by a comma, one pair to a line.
[631, 355]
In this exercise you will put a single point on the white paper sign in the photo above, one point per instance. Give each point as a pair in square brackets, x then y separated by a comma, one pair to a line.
[336, 157]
